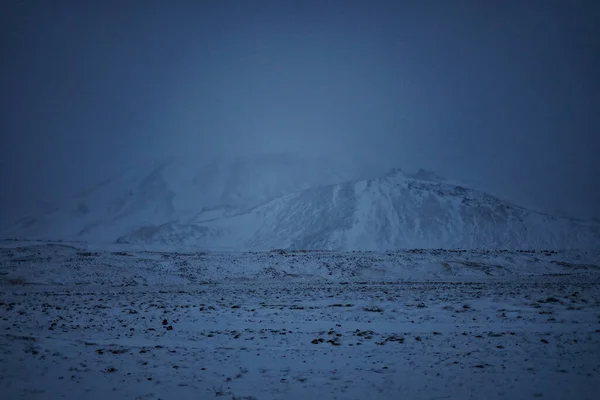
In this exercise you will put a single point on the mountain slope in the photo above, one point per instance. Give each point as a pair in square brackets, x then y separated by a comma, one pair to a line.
[177, 191]
[391, 212]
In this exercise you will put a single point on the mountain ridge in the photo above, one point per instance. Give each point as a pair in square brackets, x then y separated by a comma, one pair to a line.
[283, 201]
[159, 191]
[330, 217]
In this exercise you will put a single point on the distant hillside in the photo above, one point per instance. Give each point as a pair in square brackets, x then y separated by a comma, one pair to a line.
[394, 211]
[177, 191]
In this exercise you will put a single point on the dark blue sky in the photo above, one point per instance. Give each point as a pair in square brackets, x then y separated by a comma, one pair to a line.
[502, 94]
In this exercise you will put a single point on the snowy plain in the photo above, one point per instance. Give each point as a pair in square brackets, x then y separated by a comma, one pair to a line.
[79, 321]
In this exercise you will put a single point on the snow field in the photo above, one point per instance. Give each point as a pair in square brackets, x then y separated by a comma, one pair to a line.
[171, 333]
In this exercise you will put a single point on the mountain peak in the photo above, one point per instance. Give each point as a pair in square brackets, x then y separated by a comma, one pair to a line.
[283, 201]
[426, 175]
[391, 212]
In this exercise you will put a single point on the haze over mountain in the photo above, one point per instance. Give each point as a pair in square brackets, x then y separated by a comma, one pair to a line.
[503, 97]
[178, 190]
[285, 201]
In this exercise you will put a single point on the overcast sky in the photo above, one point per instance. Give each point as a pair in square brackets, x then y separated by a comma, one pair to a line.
[504, 95]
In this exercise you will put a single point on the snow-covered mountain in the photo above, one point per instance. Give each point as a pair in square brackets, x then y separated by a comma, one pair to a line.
[177, 191]
[394, 211]
[285, 201]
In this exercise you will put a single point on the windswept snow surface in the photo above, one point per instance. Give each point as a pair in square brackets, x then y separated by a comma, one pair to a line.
[121, 323]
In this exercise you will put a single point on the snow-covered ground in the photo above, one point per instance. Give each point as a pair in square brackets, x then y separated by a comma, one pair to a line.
[123, 323]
